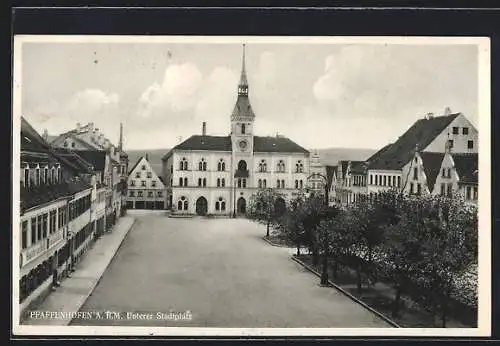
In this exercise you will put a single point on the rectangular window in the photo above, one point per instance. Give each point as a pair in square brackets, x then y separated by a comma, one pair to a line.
[149, 175]
[26, 177]
[132, 194]
[143, 182]
[465, 131]
[450, 189]
[37, 176]
[443, 173]
[399, 181]
[24, 235]
[470, 144]
[150, 193]
[415, 173]
[244, 183]
[455, 130]
[411, 188]
[160, 194]
[153, 183]
[138, 174]
[450, 143]
[33, 231]
[385, 180]
[419, 189]
[443, 189]
[371, 179]
[475, 193]
[39, 227]
[139, 193]
[449, 173]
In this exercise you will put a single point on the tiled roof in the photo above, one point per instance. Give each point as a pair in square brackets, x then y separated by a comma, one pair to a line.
[135, 165]
[358, 167]
[97, 158]
[260, 144]
[38, 195]
[432, 165]
[243, 108]
[276, 144]
[421, 133]
[378, 153]
[330, 171]
[71, 158]
[467, 167]
[214, 143]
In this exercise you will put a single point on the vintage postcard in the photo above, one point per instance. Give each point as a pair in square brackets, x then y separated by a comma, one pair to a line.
[251, 186]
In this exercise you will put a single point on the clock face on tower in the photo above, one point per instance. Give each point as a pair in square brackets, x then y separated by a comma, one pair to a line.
[243, 144]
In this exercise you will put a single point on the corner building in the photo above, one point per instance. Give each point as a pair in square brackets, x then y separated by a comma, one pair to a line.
[217, 175]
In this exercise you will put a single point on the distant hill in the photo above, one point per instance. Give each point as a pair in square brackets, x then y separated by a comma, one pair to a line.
[329, 156]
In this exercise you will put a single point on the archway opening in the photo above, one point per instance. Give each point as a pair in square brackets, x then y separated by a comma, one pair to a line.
[201, 206]
[242, 165]
[241, 206]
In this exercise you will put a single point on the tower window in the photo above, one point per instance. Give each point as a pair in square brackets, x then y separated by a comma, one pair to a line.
[470, 144]
[243, 129]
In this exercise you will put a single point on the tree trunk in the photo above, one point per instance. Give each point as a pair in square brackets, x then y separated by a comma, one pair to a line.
[315, 255]
[267, 231]
[397, 299]
[358, 275]
[298, 250]
[444, 312]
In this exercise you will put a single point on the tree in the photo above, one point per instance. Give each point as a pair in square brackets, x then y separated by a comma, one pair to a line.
[290, 223]
[262, 207]
[314, 210]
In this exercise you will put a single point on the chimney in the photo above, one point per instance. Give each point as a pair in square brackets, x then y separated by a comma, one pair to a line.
[120, 142]
[447, 111]
[204, 129]
[147, 157]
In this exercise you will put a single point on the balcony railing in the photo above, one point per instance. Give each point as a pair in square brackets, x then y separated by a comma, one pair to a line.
[241, 173]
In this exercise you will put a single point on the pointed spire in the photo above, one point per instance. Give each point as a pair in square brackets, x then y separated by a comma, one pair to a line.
[120, 143]
[243, 78]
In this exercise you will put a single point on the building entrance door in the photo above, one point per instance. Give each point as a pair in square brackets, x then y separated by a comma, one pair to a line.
[201, 206]
[242, 206]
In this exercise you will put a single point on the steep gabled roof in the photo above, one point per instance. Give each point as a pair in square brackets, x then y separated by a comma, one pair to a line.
[213, 143]
[358, 167]
[421, 134]
[136, 164]
[276, 144]
[97, 158]
[467, 167]
[242, 108]
[432, 164]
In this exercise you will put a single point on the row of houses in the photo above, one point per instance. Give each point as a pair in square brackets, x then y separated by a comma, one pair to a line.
[71, 191]
[437, 155]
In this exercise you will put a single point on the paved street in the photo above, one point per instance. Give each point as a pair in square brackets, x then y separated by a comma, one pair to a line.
[222, 272]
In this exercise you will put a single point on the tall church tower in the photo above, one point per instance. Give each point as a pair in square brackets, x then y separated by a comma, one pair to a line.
[242, 119]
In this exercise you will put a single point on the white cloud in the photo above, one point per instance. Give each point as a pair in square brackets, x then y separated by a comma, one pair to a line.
[89, 105]
[177, 92]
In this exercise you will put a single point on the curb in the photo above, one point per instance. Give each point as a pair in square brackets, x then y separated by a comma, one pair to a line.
[353, 298]
[105, 268]
[273, 244]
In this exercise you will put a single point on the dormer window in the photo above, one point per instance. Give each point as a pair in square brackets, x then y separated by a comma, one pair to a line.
[45, 175]
[143, 167]
[53, 175]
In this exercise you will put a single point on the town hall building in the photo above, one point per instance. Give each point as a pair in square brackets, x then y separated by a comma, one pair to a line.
[217, 175]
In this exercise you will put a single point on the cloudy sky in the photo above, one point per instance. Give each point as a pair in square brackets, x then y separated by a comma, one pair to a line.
[319, 95]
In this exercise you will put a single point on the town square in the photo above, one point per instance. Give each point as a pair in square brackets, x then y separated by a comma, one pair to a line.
[217, 185]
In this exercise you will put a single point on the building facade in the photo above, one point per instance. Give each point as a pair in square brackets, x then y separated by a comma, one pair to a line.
[55, 218]
[145, 189]
[218, 174]
[317, 178]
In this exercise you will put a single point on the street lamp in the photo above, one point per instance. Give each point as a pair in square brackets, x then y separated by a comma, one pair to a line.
[324, 272]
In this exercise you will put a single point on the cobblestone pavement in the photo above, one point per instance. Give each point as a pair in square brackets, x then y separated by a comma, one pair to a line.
[222, 272]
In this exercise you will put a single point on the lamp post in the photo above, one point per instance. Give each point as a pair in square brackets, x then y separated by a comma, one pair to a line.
[324, 272]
